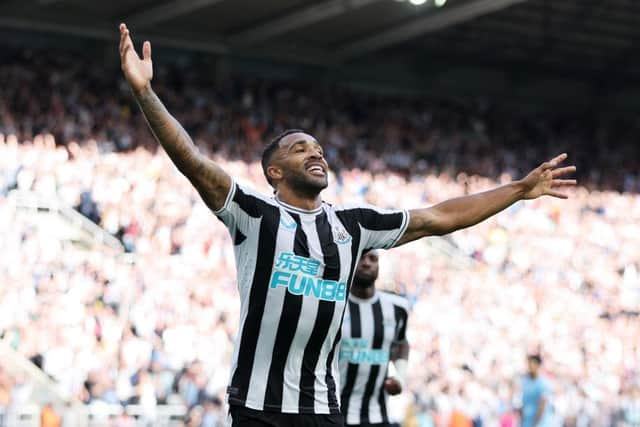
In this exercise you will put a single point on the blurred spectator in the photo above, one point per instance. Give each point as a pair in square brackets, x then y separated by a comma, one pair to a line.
[536, 395]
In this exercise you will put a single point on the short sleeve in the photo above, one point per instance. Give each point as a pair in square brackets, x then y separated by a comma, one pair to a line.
[401, 312]
[380, 228]
[241, 209]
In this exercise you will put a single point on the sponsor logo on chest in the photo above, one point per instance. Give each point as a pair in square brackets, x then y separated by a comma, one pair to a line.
[300, 275]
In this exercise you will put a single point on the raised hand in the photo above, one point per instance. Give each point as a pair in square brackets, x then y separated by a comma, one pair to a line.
[544, 180]
[138, 72]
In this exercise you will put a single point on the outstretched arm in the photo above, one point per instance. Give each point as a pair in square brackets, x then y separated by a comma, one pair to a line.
[207, 177]
[463, 212]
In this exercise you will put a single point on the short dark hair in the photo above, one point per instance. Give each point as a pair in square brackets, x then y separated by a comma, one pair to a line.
[271, 148]
[536, 358]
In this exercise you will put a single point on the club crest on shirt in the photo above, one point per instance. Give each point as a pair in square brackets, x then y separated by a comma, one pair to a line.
[340, 235]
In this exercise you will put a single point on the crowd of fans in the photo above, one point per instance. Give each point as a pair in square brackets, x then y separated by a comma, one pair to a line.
[556, 277]
[79, 99]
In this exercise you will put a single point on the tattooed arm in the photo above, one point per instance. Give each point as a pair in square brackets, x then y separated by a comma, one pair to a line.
[207, 177]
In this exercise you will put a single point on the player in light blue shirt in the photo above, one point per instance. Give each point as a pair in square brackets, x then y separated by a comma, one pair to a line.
[536, 409]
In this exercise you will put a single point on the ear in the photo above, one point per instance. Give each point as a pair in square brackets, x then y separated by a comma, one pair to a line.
[274, 172]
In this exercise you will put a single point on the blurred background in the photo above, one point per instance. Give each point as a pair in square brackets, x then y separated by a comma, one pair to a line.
[118, 301]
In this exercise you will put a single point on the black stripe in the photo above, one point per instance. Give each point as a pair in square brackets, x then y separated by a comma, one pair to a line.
[257, 297]
[382, 401]
[352, 369]
[239, 237]
[378, 339]
[401, 322]
[252, 205]
[378, 326]
[323, 319]
[291, 308]
[374, 220]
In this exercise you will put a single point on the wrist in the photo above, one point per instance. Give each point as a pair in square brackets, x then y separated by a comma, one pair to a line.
[519, 188]
[142, 92]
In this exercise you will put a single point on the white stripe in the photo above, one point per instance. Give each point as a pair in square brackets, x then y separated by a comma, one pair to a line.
[306, 321]
[268, 328]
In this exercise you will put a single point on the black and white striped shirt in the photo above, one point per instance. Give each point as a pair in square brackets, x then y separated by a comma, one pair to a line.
[369, 330]
[294, 271]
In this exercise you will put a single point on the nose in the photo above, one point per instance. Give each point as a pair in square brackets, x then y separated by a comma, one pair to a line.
[316, 155]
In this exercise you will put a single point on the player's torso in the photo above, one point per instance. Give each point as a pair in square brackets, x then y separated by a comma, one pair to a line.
[306, 292]
[368, 331]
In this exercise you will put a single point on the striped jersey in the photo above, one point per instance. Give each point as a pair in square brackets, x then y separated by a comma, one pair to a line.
[371, 326]
[294, 271]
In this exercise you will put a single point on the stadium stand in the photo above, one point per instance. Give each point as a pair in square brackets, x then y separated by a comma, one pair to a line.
[134, 333]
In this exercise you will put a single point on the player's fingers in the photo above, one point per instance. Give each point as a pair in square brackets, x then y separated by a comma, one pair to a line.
[558, 159]
[127, 47]
[554, 162]
[146, 50]
[122, 37]
[557, 194]
[563, 171]
[562, 182]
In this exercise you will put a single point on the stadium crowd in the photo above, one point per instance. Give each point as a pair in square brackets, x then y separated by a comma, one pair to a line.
[556, 277]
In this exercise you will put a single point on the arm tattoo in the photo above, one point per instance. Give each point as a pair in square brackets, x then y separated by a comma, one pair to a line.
[207, 177]
[169, 133]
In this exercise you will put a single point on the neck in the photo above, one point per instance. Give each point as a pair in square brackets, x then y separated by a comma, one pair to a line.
[302, 201]
[363, 290]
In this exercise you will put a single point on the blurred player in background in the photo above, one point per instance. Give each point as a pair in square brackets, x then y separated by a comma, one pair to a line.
[536, 408]
[373, 334]
[296, 255]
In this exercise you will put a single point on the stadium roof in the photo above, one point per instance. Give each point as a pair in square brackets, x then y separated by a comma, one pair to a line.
[578, 49]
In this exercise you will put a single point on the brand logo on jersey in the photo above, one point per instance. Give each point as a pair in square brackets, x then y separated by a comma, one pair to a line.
[340, 235]
[358, 350]
[300, 276]
[288, 224]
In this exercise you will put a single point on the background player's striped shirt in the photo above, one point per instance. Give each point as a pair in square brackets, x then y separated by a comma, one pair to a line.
[369, 330]
[294, 271]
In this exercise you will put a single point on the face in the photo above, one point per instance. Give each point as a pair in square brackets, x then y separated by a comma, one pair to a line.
[300, 163]
[532, 367]
[367, 270]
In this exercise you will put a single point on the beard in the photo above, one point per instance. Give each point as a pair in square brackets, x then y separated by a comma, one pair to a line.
[366, 281]
[305, 185]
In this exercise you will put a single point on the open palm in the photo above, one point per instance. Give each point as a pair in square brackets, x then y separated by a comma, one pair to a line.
[544, 180]
[138, 72]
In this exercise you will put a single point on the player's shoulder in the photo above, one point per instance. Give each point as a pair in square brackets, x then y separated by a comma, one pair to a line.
[347, 206]
[395, 299]
[249, 191]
